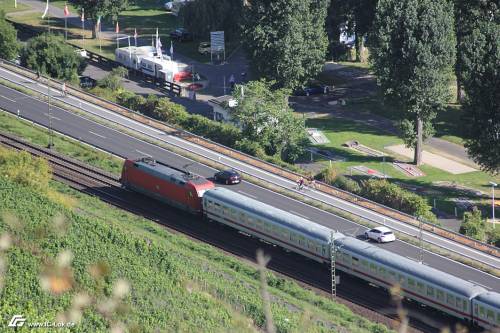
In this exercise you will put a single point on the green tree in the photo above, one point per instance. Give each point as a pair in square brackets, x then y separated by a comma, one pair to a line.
[412, 52]
[104, 8]
[49, 54]
[264, 116]
[481, 78]
[202, 16]
[9, 46]
[473, 225]
[286, 39]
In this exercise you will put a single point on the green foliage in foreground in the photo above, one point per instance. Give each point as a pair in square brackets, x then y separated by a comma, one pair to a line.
[9, 46]
[175, 284]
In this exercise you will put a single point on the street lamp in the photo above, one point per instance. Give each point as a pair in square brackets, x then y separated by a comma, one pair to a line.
[493, 185]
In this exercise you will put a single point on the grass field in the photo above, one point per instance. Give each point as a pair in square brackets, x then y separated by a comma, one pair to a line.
[8, 6]
[67, 261]
[339, 131]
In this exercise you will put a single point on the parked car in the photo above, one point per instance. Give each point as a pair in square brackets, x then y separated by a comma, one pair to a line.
[313, 89]
[181, 34]
[380, 234]
[87, 82]
[204, 48]
[227, 177]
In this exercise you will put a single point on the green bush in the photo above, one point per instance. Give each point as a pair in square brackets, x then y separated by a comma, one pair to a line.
[347, 184]
[473, 225]
[391, 195]
[328, 175]
[250, 147]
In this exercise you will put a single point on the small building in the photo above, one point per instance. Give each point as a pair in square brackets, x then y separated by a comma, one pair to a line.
[222, 107]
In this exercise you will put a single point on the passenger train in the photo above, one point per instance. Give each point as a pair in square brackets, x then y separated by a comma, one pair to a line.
[426, 285]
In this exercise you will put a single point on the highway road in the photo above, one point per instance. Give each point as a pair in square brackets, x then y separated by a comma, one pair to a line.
[124, 145]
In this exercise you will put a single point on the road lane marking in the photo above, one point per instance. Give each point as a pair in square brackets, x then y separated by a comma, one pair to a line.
[96, 134]
[479, 284]
[142, 153]
[291, 211]
[51, 116]
[8, 98]
[248, 195]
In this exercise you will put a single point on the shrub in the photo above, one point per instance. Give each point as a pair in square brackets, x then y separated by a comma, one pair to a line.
[24, 169]
[250, 147]
[347, 184]
[473, 225]
[395, 197]
[493, 236]
[328, 175]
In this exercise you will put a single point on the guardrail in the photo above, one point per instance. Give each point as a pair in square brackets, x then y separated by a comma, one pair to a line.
[325, 188]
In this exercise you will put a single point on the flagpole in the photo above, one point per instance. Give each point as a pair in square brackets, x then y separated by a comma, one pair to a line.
[83, 28]
[100, 40]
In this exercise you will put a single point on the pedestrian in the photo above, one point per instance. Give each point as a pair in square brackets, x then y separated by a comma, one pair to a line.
[232, 82]
[63, 89]
[38, 75]
[312, 184]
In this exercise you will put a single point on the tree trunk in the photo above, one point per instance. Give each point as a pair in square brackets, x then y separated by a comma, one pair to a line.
[459, 91]
[357, 44]
[419, 144]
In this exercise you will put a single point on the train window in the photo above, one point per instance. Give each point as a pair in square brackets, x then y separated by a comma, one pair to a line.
[381, 271]
[355, 261]
[464, 305]
[490, 314]
[430, 291]
[402, 279]
[324, 251]
[498, 318]
[476, 309]
[217, 204]
[440, 295]
[411, 283]
[458, 302]
[364, 263]
[450, 299]
[481, 311]
[392, 276]
[373, 268]
[420, 287]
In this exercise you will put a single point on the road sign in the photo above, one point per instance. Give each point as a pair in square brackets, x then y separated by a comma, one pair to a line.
[217, 44]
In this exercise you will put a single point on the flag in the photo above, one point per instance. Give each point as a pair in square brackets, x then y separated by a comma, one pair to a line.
[98, 24]
[171, 49]
[15, 3]
[135, 33]
[83, 15]
[46, 10]
[117, 29]
[66, 10]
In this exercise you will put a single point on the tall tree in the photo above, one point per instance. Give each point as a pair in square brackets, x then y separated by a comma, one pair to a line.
[49, 54]
[481, 74]
[412, 52]
[286, 39]
[202, 16]
[9, 46]
[264, 116]
[104, 8]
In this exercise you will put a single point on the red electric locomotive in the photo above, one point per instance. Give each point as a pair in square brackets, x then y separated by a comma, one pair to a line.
[165, 183]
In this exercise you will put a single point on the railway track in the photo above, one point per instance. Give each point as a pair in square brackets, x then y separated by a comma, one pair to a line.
[309, 274]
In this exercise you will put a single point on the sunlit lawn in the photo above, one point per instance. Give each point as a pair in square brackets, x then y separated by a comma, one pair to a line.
[338, 131]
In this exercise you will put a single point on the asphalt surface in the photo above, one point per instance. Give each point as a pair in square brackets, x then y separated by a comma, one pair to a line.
[124, 145]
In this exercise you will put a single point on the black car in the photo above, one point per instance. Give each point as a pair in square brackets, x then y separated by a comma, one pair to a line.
[181, 34]
[87, 82]
[227, 177]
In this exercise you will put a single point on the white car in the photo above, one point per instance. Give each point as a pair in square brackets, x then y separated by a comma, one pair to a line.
[380, 234]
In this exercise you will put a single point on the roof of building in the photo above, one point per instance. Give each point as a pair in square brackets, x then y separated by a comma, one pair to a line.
[168, 173]
[222, 101]
[258, 208]
[411, 267]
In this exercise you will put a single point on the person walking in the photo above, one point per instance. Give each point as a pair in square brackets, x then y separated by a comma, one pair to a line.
[63, 89]
[38, 75]
[232, 82]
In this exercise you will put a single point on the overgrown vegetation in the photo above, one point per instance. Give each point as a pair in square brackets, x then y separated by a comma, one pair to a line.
[475, 226]
[106, 269]
[381, 191]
